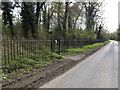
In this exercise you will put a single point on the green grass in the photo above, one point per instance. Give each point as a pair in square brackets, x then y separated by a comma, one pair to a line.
[55, 55]
[76, 50]
[3, 76]
[93, 45]
[41, 58]
[84, 48]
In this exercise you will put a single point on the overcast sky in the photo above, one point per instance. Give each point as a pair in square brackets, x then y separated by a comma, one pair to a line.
[111, 14]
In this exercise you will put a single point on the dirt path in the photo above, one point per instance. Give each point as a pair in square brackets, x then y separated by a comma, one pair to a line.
[41, 76]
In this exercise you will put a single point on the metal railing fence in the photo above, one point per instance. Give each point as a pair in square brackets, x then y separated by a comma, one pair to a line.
[17, 49]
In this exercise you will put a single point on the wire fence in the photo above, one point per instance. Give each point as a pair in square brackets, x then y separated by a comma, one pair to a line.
[17, 49]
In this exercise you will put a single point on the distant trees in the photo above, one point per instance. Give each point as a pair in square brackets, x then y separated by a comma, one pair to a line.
[115, 35]
[118, 33]
[68, 20]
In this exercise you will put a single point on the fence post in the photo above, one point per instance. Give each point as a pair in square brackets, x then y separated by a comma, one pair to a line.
[8, 51]
[4, 53]
[51, 44]
[59, 46]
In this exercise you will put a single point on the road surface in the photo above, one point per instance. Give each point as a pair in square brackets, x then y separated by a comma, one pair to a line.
[100, 70]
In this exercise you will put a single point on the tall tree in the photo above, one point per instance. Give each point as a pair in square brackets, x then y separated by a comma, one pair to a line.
[39, 6]
[99, 31]
[28, 19]
[65, 19]
[7, 15]
[91, 10]
[59, 26]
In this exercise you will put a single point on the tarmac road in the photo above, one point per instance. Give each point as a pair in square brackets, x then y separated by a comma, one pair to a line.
[100, 70]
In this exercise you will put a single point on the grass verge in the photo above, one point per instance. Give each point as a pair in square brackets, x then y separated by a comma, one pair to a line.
[84, 48]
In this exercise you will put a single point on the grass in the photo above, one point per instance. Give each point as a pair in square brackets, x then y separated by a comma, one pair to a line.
[58, 56]
[3, 76]
[76, 50]
[93, 45]
[84, 48]
[41, 58]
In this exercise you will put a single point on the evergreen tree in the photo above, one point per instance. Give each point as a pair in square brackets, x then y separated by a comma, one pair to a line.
[28, 19]
[7, 16]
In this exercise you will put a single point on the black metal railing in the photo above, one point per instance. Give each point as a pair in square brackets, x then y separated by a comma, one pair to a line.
[16, 49]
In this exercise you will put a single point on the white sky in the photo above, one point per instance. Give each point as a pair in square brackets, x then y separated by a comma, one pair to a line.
[111, 14]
